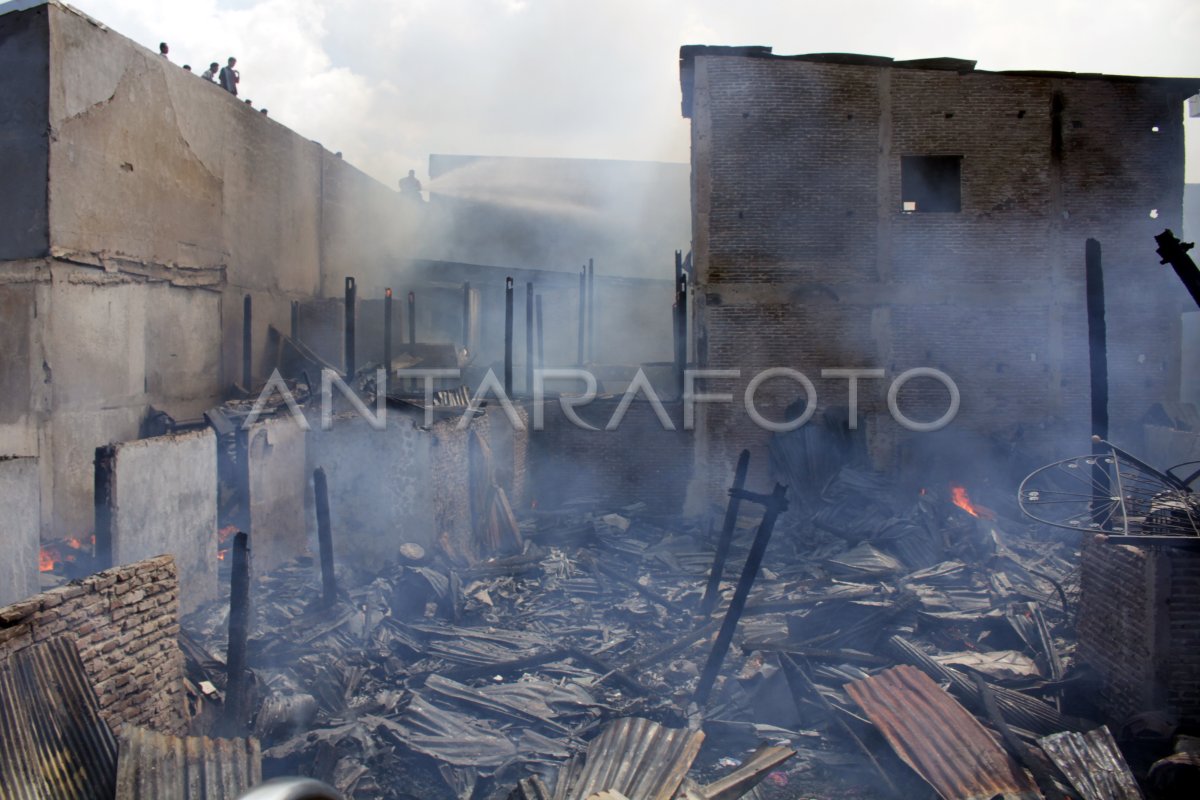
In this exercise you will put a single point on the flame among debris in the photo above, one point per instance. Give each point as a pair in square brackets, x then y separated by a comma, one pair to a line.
[223, 537]
[963, 501]
[65, 550]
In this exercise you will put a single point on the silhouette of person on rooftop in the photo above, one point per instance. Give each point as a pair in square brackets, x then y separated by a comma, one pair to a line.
[163, 50]
[230, 77]
[410, 187]
[210, 74]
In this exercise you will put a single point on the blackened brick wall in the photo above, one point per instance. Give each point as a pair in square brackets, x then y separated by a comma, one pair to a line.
[125, 624]
[640, 461]
[805, 259]
[1139, 628]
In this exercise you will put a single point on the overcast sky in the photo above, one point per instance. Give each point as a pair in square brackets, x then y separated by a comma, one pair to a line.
[388, 82]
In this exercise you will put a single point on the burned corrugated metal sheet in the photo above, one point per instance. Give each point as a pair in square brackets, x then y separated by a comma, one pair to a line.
[939, 738]
[53, 743]
[638, 758]
[1093, 764]
[530, 789]
[156, 766]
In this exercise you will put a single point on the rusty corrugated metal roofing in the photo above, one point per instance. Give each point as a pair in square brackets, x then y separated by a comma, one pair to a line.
[638, 758]
[156, 766]
[53, 743]
[939, 738]
[1093, 764]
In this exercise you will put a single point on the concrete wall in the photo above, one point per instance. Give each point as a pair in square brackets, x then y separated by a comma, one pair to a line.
[125, 623]
[278, 476]
[165, 491]
[19, 529]
[380, 492]
[806, 259]
[24, 84]
[141, 204]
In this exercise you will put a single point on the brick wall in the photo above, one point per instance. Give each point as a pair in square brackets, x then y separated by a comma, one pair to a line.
[124, 622]
[1139, 628]
[805, 259]
[639, 461]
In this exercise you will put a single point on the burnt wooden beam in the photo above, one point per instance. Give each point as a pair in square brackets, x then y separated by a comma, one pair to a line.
[709, 601]
[1174, 252]
[324, 537]
[247, 342]
[387, 332]
[776, 504]
[508, 335]
[239, 626]
[351, 295]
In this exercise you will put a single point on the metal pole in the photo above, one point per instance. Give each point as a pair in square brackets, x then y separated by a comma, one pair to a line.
[247, 346]
[541, 351]
[324, 537]
[591, 311]
[529, 338]
[387, 332]
[731, 514]
[508, 335]
[582, 313]
[1098, 356]
[776, 504]
[351, 294]
[239, 627]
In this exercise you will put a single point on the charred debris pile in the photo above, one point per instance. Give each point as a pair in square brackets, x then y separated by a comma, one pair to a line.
[853, 644]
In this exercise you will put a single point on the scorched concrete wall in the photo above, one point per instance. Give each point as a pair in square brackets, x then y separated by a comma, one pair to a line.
[19, 528]
[278, 475]
[24, 84]
[165, 501]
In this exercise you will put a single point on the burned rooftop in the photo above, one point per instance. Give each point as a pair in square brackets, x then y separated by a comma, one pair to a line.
[856, 458]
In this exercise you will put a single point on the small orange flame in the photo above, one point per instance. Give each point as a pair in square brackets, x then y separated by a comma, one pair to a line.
[963, 501]
[55, 553]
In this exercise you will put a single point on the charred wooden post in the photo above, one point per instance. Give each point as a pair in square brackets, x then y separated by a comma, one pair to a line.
[775, 504]
[591, 325]
[387, 332]
[1098, 359]
[351, 294]
[508, 335]
[582, 313]
[466, 316]
[324, 537]
[680, 322]
[529, 338]
[1174, 252]
[103, 486]
[247, 342]
[731, 514]
[295, 327]
[239, 627]
[541, 351]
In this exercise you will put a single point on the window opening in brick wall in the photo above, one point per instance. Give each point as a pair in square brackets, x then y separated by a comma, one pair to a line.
[931, 183]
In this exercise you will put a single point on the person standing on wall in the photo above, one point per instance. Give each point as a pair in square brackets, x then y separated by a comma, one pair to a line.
[230, 77]
[211, 73]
